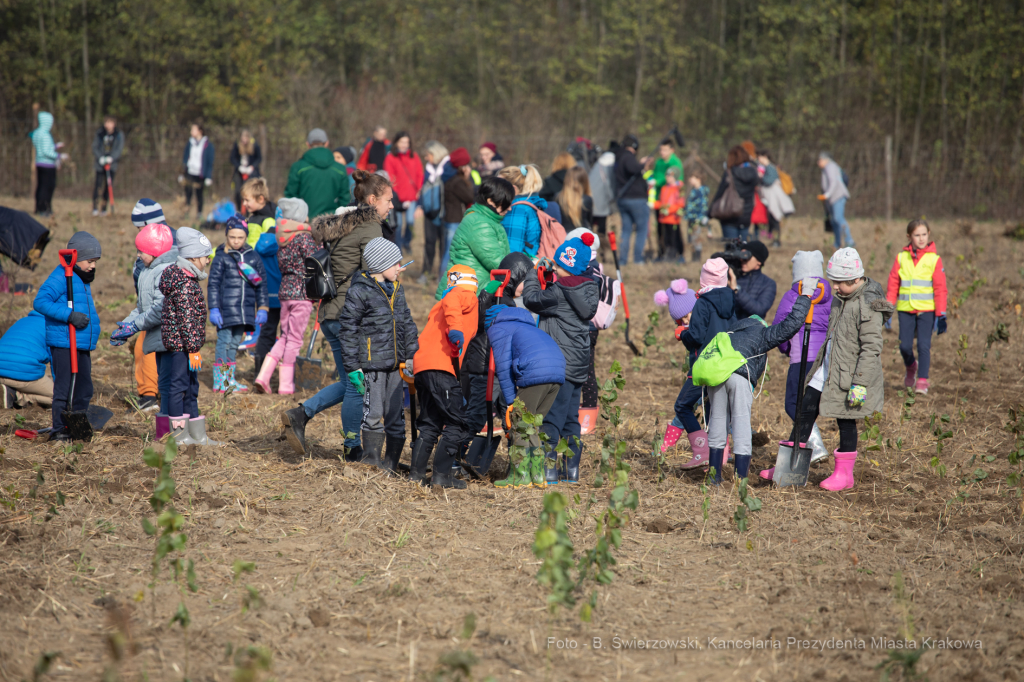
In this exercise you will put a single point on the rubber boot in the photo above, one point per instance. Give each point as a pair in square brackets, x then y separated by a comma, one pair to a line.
[571, 468]
[842, 477]
[672, 434]
[197, 430]
[266, 372]
[218, 378]
[476, 453]
[179, 431]
[393, 446]
[543, 469]
[742, 466]
[588, 420]
[162, 426]
[294, 422]
[446, 479]
[286, 379]
[420, 456]
[715, 457]
[232, 383]
[518, 476]
[373, 444]
[817, 443]
[699, 445]
[909, 379]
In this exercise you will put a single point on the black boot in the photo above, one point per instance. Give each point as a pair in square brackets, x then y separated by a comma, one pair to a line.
[446, 479]
[476, 454]
[421, 450]
[393, 452]
[294, 422]
[373, 443]
[443, 460]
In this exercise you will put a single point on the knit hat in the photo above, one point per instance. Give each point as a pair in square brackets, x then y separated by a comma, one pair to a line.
[845, 265]
[146, 212]
[490, 145]
[807, 264]
[347, 153]
[380, 254]
[714, 274]
[88, 247]
[193, 243]
[758, 250]
[461, 275]
[316, 136]
[579, 232]
[679, 298]
[294, 209]
[236, 222]
[631, 141]
[154, 240]
[460, 157]
[573, 255]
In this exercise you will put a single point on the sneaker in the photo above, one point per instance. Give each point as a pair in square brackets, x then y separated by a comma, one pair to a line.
[921, 387]
[95, 213]
[10, 398]
[149, 403]
[908, 380]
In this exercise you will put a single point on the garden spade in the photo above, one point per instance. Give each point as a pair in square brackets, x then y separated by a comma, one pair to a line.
[308, 370]
[622, 290]
[76, 421]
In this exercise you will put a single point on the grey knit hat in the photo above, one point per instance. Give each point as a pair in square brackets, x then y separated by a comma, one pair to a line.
[193, 243]
[380, 254]
[88, 247]
[807, 264]
[294, 209]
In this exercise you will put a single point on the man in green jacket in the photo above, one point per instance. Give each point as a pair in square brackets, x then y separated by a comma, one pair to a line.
[317, 178]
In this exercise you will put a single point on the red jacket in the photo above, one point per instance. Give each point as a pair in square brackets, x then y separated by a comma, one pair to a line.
[363, 162]
[672, 203]
[406, 173]
[938, 278]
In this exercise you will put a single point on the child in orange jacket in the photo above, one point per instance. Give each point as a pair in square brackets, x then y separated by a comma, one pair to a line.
[451, 325]
[670, 206]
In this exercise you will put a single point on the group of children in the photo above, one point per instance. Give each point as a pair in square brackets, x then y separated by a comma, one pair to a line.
[673, 209]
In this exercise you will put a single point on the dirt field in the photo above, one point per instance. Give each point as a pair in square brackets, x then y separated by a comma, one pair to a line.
[364, 578]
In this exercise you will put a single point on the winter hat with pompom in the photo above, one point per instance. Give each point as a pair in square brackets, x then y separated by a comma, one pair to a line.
[679, 298]
[578, 233]
[573, 255]
[154, 240]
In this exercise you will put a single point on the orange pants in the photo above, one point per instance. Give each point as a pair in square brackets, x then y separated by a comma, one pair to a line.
[145, 368]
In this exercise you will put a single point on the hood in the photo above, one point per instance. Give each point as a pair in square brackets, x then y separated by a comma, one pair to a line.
[515, 315]
[519, 266]
[321, 157]
[485, 212]
[874, 296]
[917, 253]
[327, 228]
[607, 159]
[191, 269]
[582, 294]
[45, 120]
[560, 175]
[534, 199]
[746, 324]
[286, 230]
[722, 299]
[449, 171]
[165, 258]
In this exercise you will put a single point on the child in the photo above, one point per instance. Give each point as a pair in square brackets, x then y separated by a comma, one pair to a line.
[670, 205]
[238, 300]
[262, 217]
[846, 381]
[680, 299]
[52, 303]
[451, 325]
[260, 209]
[183, 332]
[565, 308]
[696, 214]
[146, 212]
[295, 244]
[377, 336]
[47, 160]
[917, 287]
[528, 365]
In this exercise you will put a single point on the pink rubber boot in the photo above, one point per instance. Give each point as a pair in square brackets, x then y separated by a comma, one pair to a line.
[286, 379]
[701, 450]
[842, 477]
[672, 434]
[266, 372]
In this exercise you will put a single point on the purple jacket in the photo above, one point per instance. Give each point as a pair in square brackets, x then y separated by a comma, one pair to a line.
[819, 326]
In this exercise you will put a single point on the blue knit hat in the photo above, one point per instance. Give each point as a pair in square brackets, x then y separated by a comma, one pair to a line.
[147, 212]
[236, 222]
[573, 256]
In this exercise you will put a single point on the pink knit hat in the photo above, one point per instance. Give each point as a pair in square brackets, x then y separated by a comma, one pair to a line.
[679, 298]
[715, 273]
[154, 239]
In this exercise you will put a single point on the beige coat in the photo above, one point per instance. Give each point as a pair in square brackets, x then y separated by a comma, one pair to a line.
[855, 331]
[348, 233]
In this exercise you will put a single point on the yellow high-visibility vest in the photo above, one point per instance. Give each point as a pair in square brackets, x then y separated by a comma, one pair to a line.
[916, 290]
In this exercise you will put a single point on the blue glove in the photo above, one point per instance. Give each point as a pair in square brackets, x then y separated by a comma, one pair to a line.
[456, 338]
[888, 324]
[492, 313]
[215, 317]
[261, 318]
[940, 324]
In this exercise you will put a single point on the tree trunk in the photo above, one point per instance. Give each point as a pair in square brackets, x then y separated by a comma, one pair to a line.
[897, 60]
[943, 77]
[719, 87]
[920, 109]
[86, 97]
[640, 58]
[1018, 135]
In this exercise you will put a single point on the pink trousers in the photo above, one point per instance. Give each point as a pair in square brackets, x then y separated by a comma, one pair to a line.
[294, 319]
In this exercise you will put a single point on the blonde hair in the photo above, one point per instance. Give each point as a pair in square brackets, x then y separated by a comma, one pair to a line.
[563, 161]
[246, 146]
[527, 183]
[577, 186]
[255, 187]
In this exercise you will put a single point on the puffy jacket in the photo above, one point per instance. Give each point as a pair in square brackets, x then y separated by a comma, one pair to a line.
[480, 242]
[183, 319]
[478, 350]
[566, 308]
[755, 294]
[107, 144]
[42, 140]
[230, 292]
[406, 173]
[457, 310]
[819, 324]
[522, 225]
[747, 181]
[320, 181]
[149, 305]
[377, 330]
[346, 235]
[712, 313]
[753, 340]
[23, 350]
[52, 303]
[524, 355]
[266, 247]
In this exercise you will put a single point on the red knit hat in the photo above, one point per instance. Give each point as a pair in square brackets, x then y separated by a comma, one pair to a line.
[460, 157]
[490, 145]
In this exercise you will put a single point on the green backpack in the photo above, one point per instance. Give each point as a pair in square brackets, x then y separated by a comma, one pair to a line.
[717, 361]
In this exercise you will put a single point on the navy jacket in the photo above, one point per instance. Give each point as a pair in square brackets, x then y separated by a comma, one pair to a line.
[523, 354]
[712, 313]
[377, 330]
[52, 303]
[23, 350]
[231, 293]
[267, 248]
[753, 339]
[756, 294]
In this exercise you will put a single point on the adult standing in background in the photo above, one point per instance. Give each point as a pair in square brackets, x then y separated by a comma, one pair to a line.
[198, 162]
[575, 201]
[245, 163]
[375, 151]
[775, 199]
[754, 291]
[490, 160]
[834, 193]
[744, 173]
[602, 189]
[632, 200]
[106, 150]
[458, 196]
[553, 183]
[46, 164]
[317, 178]
[405, 170]
[436, 160]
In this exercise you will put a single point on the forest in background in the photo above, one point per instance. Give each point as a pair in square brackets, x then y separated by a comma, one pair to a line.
[943, 78]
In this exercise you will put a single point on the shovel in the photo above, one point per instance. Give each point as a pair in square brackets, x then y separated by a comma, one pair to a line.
[622, 290]
[793, 462]
[309, 371]
[76, 422]
[110, 187]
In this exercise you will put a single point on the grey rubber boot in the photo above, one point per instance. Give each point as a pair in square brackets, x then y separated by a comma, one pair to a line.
[818, 450]
[180, 433]
[197, 429]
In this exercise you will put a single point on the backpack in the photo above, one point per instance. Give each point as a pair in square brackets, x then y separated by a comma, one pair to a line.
[787, 182]
[318, 275]
[729, 206]
[432, 200]
[552, 234]
[717, 362]
[607, 302]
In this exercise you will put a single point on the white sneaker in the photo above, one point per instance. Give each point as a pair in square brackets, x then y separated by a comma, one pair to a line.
[95, 213]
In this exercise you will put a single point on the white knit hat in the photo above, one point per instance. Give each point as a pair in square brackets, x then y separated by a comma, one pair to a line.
[845, 265]
[807, 264]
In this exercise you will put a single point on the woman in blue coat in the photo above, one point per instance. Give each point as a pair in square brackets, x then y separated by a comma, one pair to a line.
[24, 356]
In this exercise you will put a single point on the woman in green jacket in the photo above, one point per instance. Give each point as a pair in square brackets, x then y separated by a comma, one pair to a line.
[481, 242]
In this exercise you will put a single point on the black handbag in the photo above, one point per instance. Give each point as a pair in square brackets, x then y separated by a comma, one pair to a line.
[318, 275]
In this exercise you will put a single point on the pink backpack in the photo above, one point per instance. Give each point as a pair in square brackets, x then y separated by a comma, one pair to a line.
[552, 234]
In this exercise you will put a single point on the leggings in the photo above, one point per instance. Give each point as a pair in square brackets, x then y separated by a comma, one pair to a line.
[809, 413]
[917, 325]
[590, 388]
[194, 183]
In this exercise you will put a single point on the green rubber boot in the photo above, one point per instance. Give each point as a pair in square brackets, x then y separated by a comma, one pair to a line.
[537, 464]
[519, 477]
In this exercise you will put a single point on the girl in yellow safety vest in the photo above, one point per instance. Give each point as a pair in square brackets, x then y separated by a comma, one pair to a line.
[917, 287]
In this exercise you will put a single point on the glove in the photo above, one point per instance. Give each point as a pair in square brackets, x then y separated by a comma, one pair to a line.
[195, 362]
[855, 398]
[208, 181]
[80, 320]
[940, 324]
[408, 370]
[123, 333]
[215, 317]
[809, 287]
[822, 197]
[680, 330]
[546, 263]
[106, 161]
[508, 418]
[456, 338]
[356, 378]
[261, 318]
[888, 324]
[492, 313]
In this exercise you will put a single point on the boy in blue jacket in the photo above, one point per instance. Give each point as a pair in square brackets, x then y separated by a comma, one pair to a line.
[24, 356]
[52, 303]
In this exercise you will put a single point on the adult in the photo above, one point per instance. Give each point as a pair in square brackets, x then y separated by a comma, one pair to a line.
[602, 190]
[754, 291]
[405, 170]
[375, 151]
[480, 241]
[834, 193]
[245, 159]
[744, 173]
[666, 159]
[522, 227]
[198, 163]
[775, 199]
[24, 356]
[632, 200]
[458, 196]
[490, 160]
[346, 235]
[107, 147]
[317, 178]
[553, 183]
[435, 161]
[574, 200]
[46, 164]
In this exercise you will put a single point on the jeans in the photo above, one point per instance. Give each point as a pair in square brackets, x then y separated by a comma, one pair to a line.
[342, 392]
[449, 233]
[735, 230]
[841, 227]
[404, 221]
[689, 396]
[917, 325]
[228, 339]
[563, 421]
[636, 215]
[294, 320]
[60, 366]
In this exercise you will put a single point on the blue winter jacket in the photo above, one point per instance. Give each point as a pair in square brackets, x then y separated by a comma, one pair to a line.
[231, 293]
[23, 350]
[522, 226]
[266, 247]
[755, 295]
[52, 303]
[714, 312]
[524, 355]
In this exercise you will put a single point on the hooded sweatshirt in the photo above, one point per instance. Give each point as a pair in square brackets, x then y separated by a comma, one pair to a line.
[320, 181]
[601, 185]
[565, 308]
[714, 312]
[522, 225]
[42, 140]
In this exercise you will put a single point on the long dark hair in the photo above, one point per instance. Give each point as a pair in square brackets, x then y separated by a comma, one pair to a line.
[399, 136]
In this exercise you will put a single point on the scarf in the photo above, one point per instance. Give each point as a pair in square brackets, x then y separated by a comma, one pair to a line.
[86, 277]
[288, 229]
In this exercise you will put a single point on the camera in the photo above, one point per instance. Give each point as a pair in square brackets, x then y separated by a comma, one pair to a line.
[734, 255]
